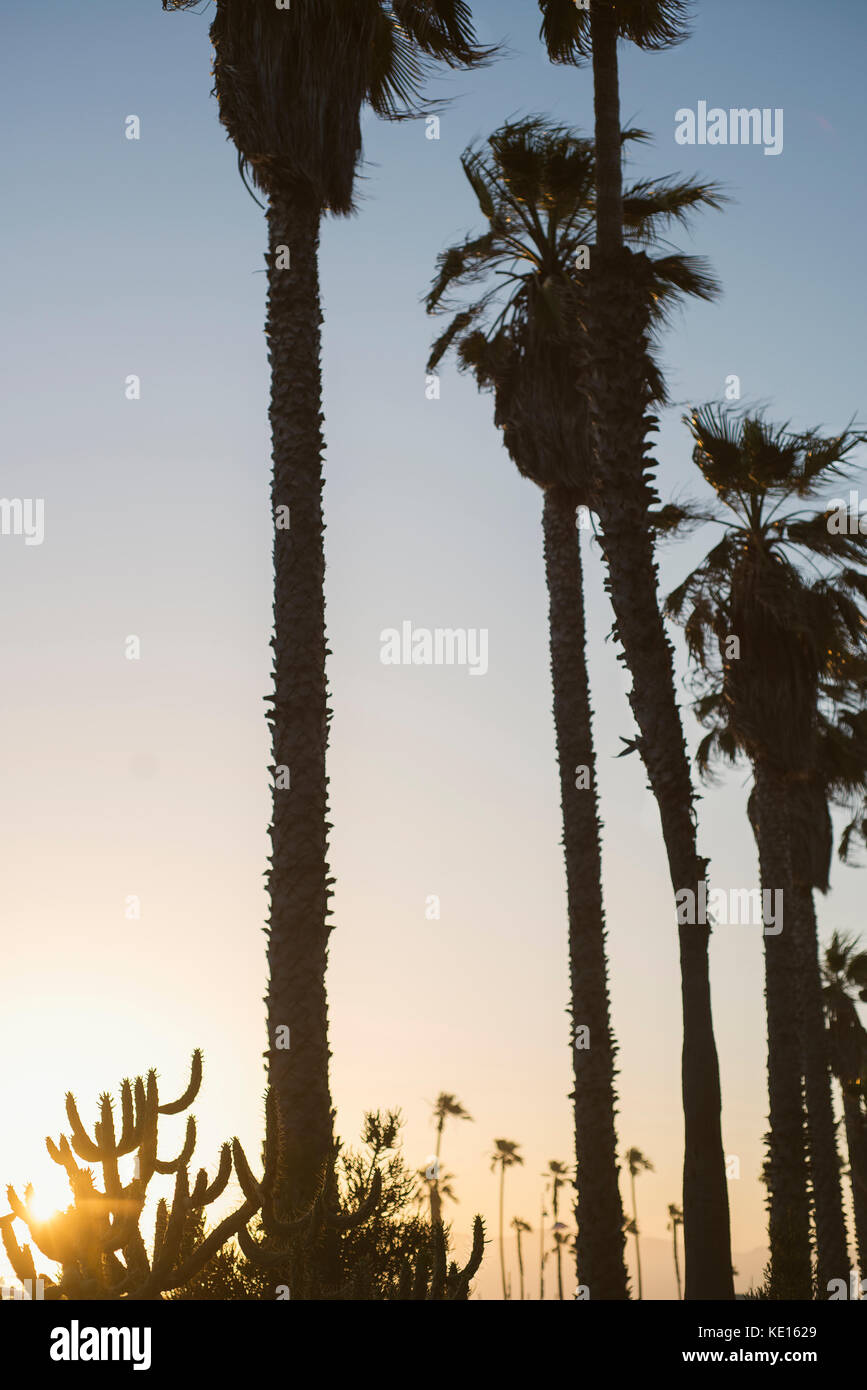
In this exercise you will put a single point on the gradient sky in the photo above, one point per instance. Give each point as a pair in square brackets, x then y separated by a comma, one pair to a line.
[148, 778]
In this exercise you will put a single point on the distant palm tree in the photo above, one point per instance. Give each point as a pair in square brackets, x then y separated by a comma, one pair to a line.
[675, 1220]
[520, 1228]
[562, 1239]
[766, 697]
[618, 319]
[446, 1106]
[845, 980]
[543, 1254]
[517, 299]
[637, 1164]
[505, 1156]
[558, 1174]
[291, 83]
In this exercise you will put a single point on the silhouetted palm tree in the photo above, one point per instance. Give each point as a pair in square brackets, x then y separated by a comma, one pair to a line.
[291, 84]
[845, 980]
[675, 1220]
[505, 1156]
[618, 315]
[523, 337]
[793, 637]
[558, 1175]
[445, 1106]
[520, 1228]
[637, 1164]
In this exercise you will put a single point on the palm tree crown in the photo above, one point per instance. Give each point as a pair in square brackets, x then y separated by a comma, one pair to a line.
[292, 82]
[650, 24]
[534, 181]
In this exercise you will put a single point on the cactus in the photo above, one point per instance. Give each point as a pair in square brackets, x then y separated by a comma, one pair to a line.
[302, 1249]
[98, 1242]
[432, 1278]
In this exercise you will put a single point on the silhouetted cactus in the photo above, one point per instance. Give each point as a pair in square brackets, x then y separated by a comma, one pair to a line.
[297, 1248]
[435, 1279]
[85, 1239]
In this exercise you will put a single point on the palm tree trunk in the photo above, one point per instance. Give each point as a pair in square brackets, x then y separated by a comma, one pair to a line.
[676, 1261]
[520, 1266]
[635, 1224]
[542, 1254]
[786, 1168]
[832, 1244]
[298, 881]
[502, 1232]
[436, 1206]
[598, 1210]
[617, 376]
[856, 1145]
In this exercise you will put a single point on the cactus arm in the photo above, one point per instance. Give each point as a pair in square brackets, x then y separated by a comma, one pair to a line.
[129, 1127]
[347, 1221]
[175, 1165]
[20, 1256]
[471, 1268]
[160, 1227]
[81, 1141]
[249, 1186]
[232, 1226]
[183, 1102]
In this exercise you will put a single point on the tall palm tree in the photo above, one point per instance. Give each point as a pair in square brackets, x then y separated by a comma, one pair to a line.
[637, 1163]
[523, 337]
[675, 1221]
[763, 698]
[445, 1106]
[618, 321]
[505, 1156]
[845, 980]
[520, 1228]
[291, 83]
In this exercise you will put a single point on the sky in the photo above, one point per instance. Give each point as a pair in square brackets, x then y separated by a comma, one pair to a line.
[146, 779]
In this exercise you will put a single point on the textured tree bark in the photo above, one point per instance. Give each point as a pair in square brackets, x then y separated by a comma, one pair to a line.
[832, 1245]
[617, 322]
[598, 1210]
[788, 1207]
[298, 881]
[856, 1144]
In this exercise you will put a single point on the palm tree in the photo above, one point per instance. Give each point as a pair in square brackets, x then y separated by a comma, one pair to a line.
[637, 1164]
[520, 1228]
[543, 1254]
[523, 337]
[505, 1156]
[446, 1105]
[619, 396]
[560, 1232]
[675, 1219]
[291, 83]
[845, 979]
[558, 1174]
[763, 698]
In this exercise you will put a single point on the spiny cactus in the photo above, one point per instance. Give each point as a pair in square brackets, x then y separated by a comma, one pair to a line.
[434, 1279]
[300, 1248]
[85, 1239]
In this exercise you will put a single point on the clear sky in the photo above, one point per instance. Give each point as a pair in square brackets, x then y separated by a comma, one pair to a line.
[148, 778]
